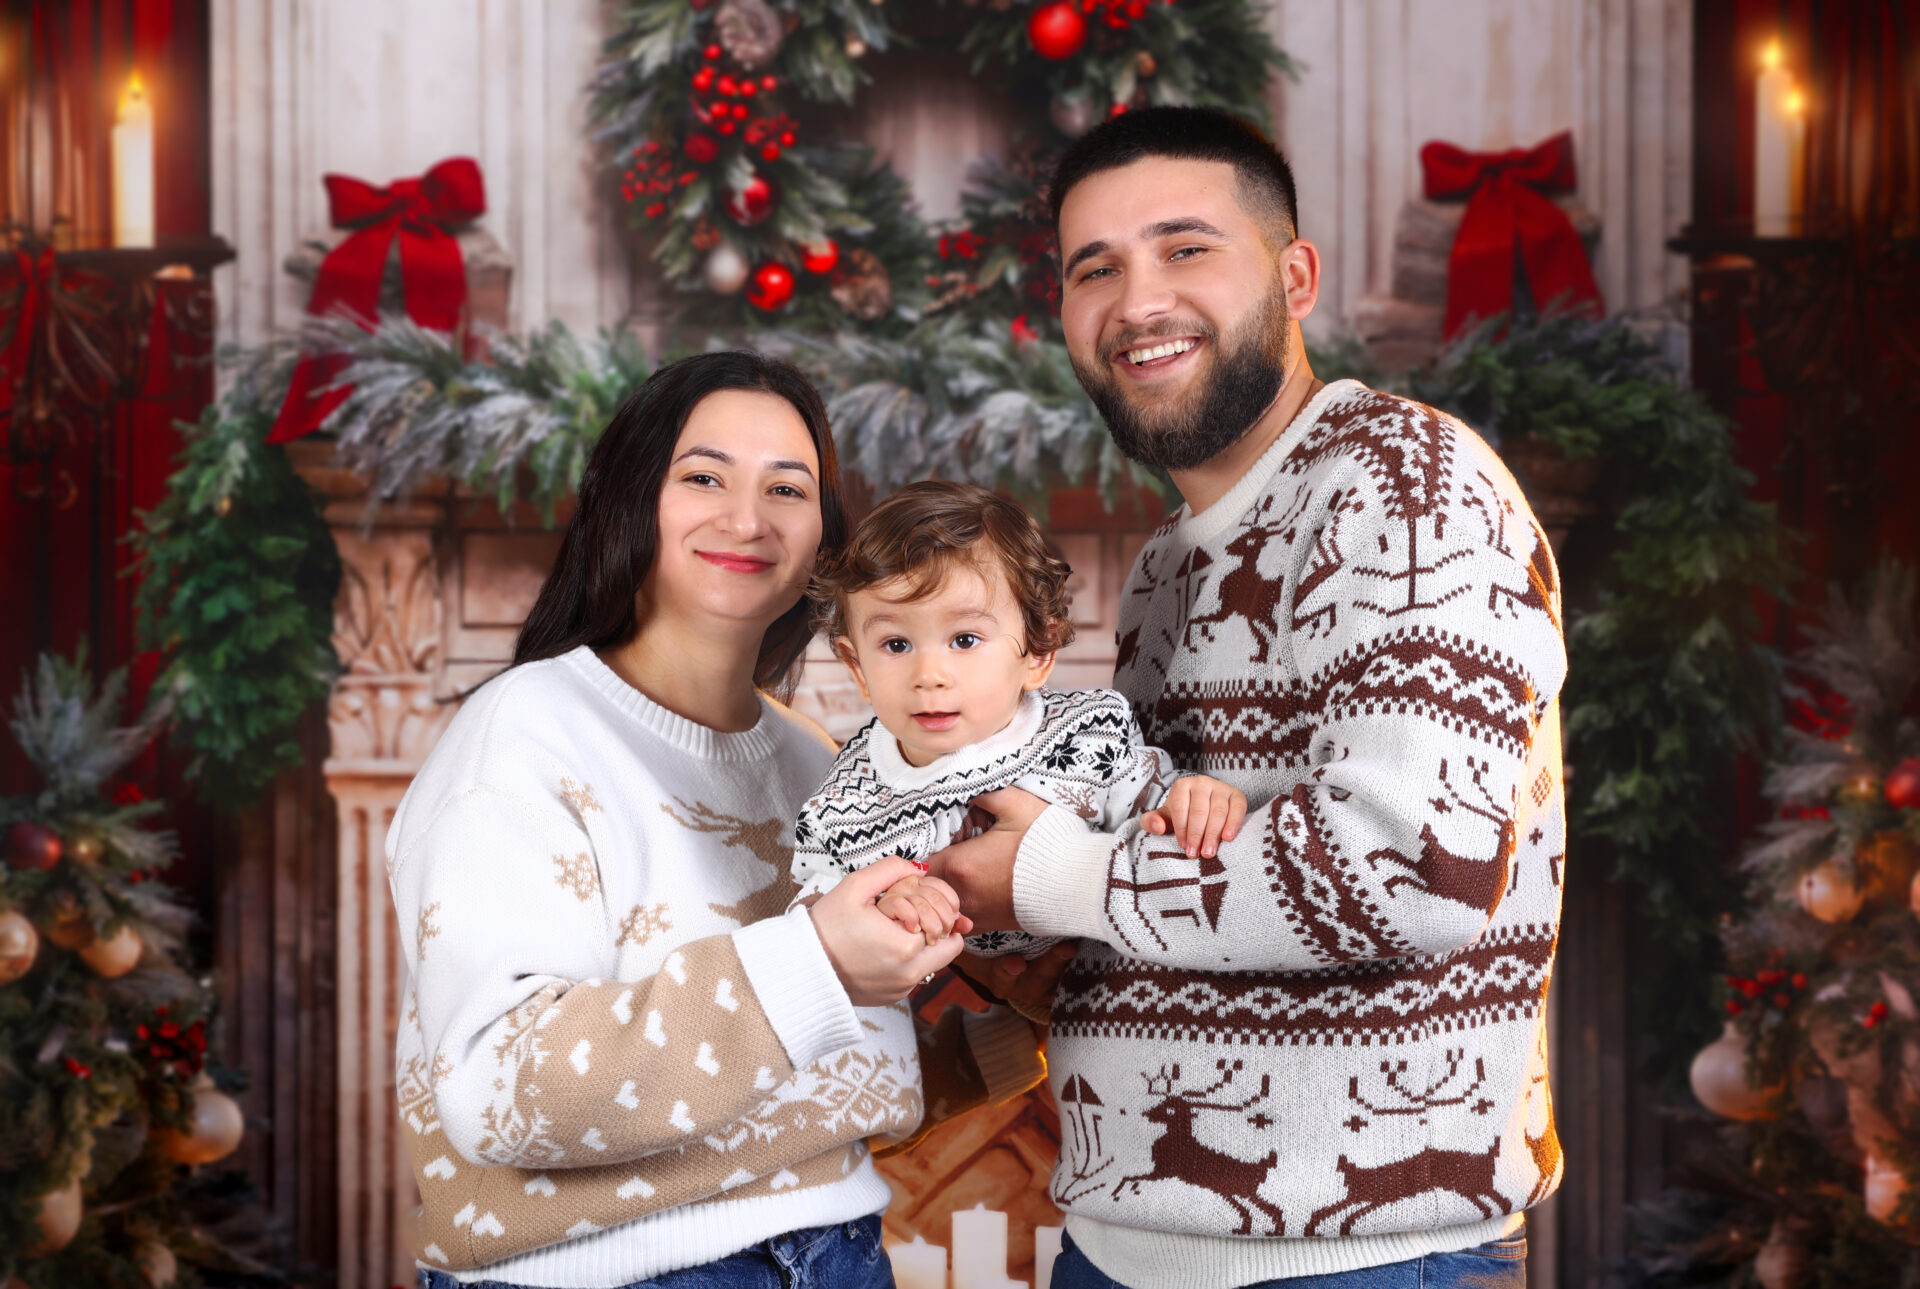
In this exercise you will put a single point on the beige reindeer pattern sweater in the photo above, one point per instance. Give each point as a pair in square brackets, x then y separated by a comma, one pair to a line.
[1322, 1050]
[618, 1055]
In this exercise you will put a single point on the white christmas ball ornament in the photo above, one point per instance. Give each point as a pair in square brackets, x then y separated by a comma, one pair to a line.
[158, 1265]
[725, 270]
[1886, 1187]
[58, 1220]
[1719, 1079]
[1829, 893]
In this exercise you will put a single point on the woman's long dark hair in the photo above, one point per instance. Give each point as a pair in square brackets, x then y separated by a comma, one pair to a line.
[611, 541]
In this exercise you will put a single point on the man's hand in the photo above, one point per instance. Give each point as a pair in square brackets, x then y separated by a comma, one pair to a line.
[980, 869]
[1028, 984]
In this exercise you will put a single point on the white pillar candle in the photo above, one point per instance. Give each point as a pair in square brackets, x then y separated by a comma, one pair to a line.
[979, 1247]
[132, 148]
[1046, 1247]
[919, 1265]
[1777, 134]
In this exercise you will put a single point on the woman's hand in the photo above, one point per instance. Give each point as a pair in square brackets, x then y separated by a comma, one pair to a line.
[878, 960]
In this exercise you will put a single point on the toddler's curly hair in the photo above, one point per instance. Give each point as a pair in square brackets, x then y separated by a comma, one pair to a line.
[924, 531]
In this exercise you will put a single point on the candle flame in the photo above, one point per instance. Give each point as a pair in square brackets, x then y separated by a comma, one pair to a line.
[1796, 102]
[1770, 57]
[134, 93]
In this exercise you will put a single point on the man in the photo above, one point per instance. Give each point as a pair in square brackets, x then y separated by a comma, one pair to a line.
[1320, 1052]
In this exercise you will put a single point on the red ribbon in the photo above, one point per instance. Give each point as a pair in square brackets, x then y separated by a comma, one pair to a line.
[421, 213]
[1506, 209]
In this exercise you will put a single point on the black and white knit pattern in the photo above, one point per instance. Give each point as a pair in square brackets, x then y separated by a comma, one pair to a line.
[1081, 750]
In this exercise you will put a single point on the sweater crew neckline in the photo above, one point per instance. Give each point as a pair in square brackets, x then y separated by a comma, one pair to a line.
[891, 764]
[1195, 529]
[688, 736]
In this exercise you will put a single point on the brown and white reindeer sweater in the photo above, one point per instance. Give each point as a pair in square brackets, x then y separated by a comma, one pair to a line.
[617, 1056]
[1324, 1049]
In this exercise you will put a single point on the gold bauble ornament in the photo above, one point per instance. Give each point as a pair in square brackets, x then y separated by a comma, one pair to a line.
[223, 507]
[215, 1132]
[64, 922]
[57, 1221]
[1887, 862]
[157, 1264]
[1827, 892]
[856, 47]
[1719, 1079]
[86, 849]
[1885, 1187]
[115, 956]
[19, 946]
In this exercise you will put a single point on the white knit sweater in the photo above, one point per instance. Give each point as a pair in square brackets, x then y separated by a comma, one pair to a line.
[1324, 1049]
[618, 1056]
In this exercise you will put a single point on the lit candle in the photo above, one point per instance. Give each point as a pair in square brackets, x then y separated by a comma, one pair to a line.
[919, 1265]
[1046, 1247]
[133, 168]
[979, 1247]
[1776, 136]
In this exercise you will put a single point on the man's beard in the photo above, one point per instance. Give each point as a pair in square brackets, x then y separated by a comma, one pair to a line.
[1245, 377]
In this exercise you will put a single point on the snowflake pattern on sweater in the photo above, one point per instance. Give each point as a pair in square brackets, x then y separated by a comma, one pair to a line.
[1335, 1029]
[1079, 749]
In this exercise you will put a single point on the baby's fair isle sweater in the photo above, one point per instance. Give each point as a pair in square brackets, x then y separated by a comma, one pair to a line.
[1333, 1032]
[617, 1057]
[1079, 749]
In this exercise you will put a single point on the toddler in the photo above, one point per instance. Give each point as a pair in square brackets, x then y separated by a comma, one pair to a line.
[948, 608]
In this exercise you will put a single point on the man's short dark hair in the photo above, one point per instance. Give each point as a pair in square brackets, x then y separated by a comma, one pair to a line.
[1184, 134]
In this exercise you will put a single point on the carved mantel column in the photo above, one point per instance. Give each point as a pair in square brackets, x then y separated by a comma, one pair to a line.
[383, 717]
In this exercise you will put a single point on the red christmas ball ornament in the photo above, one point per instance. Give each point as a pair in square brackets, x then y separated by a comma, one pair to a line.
[32, 845]
[769, 83]
[1057, 30]
[712, 53]
[772, 287]
[771, 152]
[701, 148]
[753, 202]
[703, 80]
[1902, 785]
[820, 257]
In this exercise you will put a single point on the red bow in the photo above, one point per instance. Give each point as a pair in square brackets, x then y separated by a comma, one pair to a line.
[1507, 208]
[433, 277]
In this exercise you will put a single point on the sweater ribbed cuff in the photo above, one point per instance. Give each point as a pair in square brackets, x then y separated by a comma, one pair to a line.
[1005, 1050]
[798, 990]
[1060, 877]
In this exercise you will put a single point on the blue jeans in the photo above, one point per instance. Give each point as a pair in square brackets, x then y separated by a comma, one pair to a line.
[848, 1256]
[1497, 1264]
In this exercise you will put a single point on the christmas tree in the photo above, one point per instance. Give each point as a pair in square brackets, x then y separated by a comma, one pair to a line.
[1820, 1059]
[105, 1098]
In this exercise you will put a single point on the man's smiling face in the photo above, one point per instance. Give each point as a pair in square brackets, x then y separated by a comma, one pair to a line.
[1173, 305]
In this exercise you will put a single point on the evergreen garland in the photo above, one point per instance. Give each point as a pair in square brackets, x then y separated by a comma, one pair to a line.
[238, 574]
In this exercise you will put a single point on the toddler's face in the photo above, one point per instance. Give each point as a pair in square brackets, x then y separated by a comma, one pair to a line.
[944, 671]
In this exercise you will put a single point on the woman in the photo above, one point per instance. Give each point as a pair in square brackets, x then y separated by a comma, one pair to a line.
[622, 1061]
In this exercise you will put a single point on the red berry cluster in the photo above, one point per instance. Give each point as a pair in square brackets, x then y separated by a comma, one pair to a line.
[729, 107]
[654, 173]
[75, 1068]
[1774, 985]
[966, 244]
[1875, 1014]
[1116, 14]
[169, 1043]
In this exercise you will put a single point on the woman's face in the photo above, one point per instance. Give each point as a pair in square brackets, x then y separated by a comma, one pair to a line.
[739, 513]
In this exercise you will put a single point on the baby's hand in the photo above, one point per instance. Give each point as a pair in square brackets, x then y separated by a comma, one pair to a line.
[926, 905]
[1200, 812]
